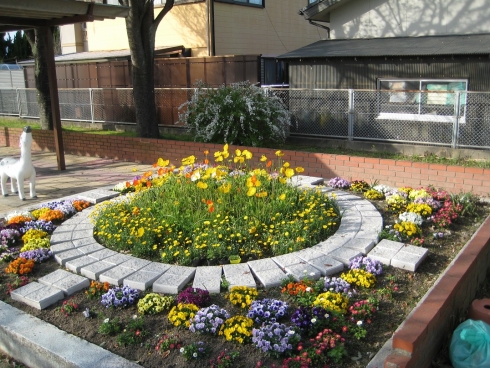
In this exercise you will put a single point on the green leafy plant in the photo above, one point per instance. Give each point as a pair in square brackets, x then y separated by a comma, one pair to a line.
[110, 327]
[240, 113]
[134, 332]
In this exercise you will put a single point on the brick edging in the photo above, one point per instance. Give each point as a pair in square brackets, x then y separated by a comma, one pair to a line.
[394, 173]
[419, 339]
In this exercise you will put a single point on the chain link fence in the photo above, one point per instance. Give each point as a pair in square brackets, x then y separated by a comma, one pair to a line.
[456, 119]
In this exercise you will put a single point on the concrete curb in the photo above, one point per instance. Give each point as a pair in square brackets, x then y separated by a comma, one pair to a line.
[36, 343]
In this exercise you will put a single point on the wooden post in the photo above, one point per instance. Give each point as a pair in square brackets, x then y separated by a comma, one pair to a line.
[47, 34]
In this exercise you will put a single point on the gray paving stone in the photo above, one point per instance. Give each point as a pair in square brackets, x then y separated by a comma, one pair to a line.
[366, 206]
[349, 228]
[37, 295]
[77, 263]
[385, 250]
[93, 270]
[97, 195]
[60, 237]
[360, 244]
[135, 263]
[368, 234]
[62, 247]
[208, 278]
[118, 259]
[302, 180]
[304, 270]
[90, 248]
[267, 272]
[69, 255]
[81, 234]
[66, 281]
[156, 267]
[332, 243]
[84, 241]
[345, 255]
[174, 279]
[239, 275]
[141, 280]
[287, 259]
[409, 257]
[66, 227]
[85, 226]
[326, 264]
[102, 254]
[116, 275]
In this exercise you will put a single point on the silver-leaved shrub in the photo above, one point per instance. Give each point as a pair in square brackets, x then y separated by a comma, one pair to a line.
[240, 114]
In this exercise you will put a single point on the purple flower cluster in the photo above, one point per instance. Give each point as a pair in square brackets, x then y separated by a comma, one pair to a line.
[209, 320]
[195, 296]
[310, 320]
[120, 297]
[267, 310]
[37, 255]
[337, 284]
[435, 204]
[9, 255]
[338, 182]
[8, 237]
[64, 206]
[367, 264]
[46, 226]
[275, 339]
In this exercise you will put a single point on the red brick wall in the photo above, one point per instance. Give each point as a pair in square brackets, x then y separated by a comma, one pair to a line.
[390, 172]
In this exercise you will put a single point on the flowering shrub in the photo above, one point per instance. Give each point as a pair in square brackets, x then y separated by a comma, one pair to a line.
[363, 310]
[267, 310]
[382, 188]
[367, 264]
[359, 278]
[238, 329]
[80, 204]
[39, 212]
[110, 327]
[37, 255]
[195, 350]
[359, 186]
[19, 219]
[134, 333]
[332, 301]
[8, 237]
[326, 347]
[339, 183]
[418, 194]
[411, 217]
[33, 234]
[417, 241]
[225, 359]
[302, 291]
[242, 296]
[181, 314]
[373, 194]
[96, 289]
[337, 285]
[20, 266]
[154, 303]
[407, 229]
[17, 283]
[208, 320]
[396, 203]
[240, 114]
[120, 297]
[168, 342]
[195, 296]
[423, 209]
[36, 244]
[9, 255]
[446, 214]
[68, 307]
[52, 215]
[275, 339]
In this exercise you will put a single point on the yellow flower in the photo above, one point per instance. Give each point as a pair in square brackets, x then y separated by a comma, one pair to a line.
[289, 172]
[189, 160]
[299, 169]
[282, 197]
[162, 163]
[251, 191]
[279, 153]
[225, 188]
[263, 158]
[201, 185]
[141, 232]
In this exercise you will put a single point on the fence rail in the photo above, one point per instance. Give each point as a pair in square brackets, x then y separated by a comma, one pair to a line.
[455, 119]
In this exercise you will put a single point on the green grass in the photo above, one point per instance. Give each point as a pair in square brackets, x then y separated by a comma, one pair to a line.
[427, 157]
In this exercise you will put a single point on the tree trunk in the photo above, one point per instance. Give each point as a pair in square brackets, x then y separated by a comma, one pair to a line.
[41, 76]
[141, 27]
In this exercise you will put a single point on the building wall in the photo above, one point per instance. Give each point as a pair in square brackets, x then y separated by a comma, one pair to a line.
[239, 29]
[71, 38]
[399, 18]
[275, 29]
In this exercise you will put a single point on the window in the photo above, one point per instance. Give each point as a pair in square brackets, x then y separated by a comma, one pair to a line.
[422, 99]
[244, 2]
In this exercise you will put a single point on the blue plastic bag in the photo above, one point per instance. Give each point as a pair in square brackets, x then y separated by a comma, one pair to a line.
[470, 345]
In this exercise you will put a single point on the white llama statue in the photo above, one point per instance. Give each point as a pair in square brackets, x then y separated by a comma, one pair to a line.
[20, 169]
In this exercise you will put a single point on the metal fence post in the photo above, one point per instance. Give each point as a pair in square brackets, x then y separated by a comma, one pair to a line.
[457, 107]
[90, 92]
[18, 100]
[350, 126]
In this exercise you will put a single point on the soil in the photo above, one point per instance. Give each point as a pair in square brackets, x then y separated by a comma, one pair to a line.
[406, 289]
